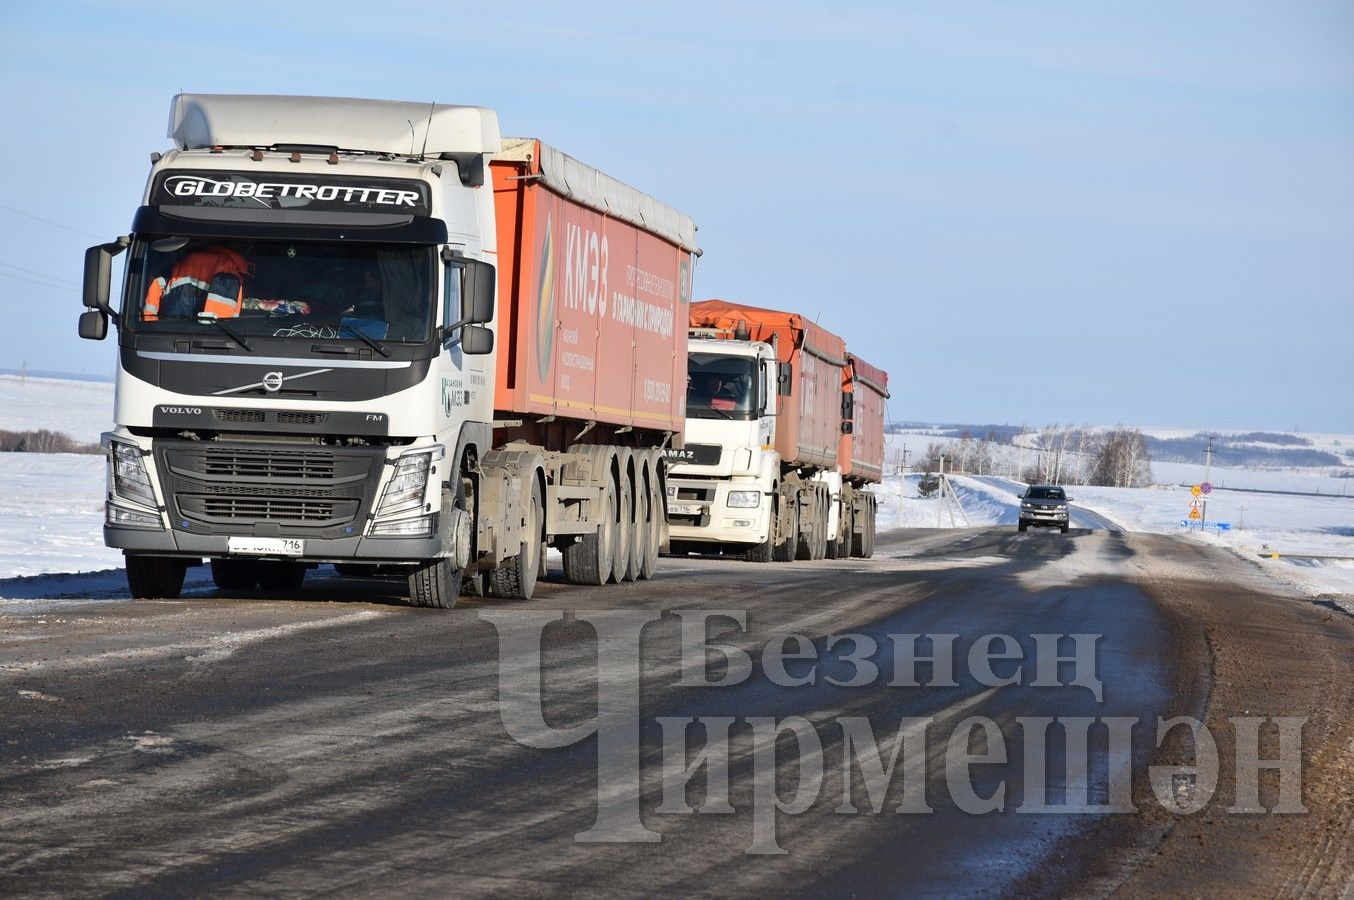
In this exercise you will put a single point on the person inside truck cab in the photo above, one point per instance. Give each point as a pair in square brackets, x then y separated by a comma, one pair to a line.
[713, 391]
[205, 282]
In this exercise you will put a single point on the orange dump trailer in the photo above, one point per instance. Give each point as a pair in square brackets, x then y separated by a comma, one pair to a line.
[595, 281]
[861, 456]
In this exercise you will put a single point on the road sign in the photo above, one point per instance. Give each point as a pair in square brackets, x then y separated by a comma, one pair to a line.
[1196, 490]
[1195, 503]
[1206, 488]
[1194, 513]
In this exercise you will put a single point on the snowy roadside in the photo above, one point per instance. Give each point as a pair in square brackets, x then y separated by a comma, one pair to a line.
[1303, 531]
[51, 512]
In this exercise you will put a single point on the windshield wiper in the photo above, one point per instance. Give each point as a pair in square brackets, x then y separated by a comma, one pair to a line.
[228, 331]
[370, 342]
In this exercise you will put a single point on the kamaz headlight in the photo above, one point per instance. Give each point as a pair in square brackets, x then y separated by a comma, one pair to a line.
[408, 486]
[744, 499]
[130, 480]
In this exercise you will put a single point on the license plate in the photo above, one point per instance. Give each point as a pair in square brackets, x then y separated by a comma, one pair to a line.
[258, 546]
[685, 509]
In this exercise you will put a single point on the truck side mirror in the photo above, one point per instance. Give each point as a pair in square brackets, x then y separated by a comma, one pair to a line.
[784, 379]
[469, 294]
[99, 274]
[93, 324]
[477, 340]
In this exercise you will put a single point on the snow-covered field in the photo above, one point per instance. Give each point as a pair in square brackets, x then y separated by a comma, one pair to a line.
[51, 506]
[81, 409]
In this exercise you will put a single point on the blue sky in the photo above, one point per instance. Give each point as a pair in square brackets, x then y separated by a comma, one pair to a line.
[1027, 212]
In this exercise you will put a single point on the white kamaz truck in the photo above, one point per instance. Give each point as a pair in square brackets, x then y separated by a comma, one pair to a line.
[767, 469]
[379, 335]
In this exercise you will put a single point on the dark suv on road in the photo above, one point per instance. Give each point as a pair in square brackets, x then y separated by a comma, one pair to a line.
[1044, 505]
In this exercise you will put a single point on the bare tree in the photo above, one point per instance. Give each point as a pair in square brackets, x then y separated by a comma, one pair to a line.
[1122, 459]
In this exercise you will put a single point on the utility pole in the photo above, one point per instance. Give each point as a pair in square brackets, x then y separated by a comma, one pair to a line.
[941, 477]
[1208, 477]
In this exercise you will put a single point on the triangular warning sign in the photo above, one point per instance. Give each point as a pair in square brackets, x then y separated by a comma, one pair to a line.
[1195, 503]
[1194, 513]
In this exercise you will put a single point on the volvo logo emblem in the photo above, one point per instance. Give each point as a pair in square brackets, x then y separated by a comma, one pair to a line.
[272, 382]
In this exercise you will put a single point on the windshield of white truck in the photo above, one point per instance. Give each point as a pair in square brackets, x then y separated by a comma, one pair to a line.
[721, 387]
[307, 290]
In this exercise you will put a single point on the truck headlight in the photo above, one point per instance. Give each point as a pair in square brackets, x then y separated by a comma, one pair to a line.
[130, 480]
[422, 526]
[408, 486]
[744, 499]
[1024, 505]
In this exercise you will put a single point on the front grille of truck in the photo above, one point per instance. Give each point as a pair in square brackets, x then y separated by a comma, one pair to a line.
[247, 489]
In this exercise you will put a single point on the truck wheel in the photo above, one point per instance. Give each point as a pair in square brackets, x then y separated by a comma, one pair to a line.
[436, 583]
[760, 553]
[1023, 526]
[277, 575]
[155, 577]
[589, 559]
[656, 514]
[1064, 529]
[639, 520]
[804, 541]
[515, 577]
[787, 514]
[625, 526]
[235, 574]
[869, 534]
[858, 533]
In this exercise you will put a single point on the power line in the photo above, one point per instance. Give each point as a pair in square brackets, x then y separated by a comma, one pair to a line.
[59, 287]
[49, 222]
[39, 274]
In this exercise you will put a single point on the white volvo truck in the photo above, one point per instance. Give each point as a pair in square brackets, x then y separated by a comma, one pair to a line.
[379, 335]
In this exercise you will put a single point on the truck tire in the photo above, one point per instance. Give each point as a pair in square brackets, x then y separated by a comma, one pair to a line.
[235, 574]
[281, 575]
[155, 577]
[657, 512]
[589, 559]
[515, 577]
[869, 533]
[787, 514]
[857, 531]
[625, 524]
[639, 516]
[1023, 526]
[760, 553]
[436, 583]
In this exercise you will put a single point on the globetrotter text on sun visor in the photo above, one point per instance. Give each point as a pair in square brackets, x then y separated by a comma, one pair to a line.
[319, 193]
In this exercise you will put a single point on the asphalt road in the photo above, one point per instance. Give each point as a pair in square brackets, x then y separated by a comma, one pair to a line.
[342, 743]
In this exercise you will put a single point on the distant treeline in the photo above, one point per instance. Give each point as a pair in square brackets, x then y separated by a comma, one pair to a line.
[1235, 451]
[999, 434]
[43, 441]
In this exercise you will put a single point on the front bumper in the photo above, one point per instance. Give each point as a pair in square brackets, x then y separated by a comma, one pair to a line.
[1038, 516]
[698, 510]
[215, 546]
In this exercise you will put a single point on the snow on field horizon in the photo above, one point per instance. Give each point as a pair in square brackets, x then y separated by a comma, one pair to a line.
[52, 507]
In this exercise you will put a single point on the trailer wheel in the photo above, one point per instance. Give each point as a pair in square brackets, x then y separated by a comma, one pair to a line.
[515, 578]
[589, 559]
[235, 574]
[639, 514]
[155, 577]
[625, 523]
[281, 575]
[655, 516]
